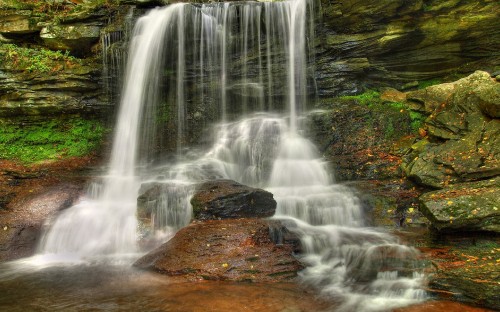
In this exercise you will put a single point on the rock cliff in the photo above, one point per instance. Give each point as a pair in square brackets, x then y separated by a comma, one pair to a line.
[358, 44]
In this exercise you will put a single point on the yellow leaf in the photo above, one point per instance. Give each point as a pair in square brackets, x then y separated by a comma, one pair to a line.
[225, 265]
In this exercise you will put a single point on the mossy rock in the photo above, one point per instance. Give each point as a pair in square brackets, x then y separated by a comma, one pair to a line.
[473, 206]
[76, 38]
[466, 141]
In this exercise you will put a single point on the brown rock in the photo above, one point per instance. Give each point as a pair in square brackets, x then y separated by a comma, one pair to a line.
[21, 228]
[392, 95]
[237, 250]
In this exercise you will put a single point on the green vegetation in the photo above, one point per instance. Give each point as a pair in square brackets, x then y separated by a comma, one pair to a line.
[35, 60]
[371, 99]
[163, 114]
[417, 120]
[427, 83]
[50, 140]
[50, 7]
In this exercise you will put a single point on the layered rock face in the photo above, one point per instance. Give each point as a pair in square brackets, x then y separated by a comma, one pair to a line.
[358, 44]
[49, 61]
[463, 133]
[391, 42]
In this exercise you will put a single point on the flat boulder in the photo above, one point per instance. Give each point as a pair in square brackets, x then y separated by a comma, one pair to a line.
[227, 199]
[234, 250]
[473, 206]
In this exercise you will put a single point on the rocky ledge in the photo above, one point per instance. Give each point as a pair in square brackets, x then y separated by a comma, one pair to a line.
[462, 142]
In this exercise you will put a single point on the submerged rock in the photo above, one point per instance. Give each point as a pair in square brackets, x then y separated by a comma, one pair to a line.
[237, 250]
[227, 199]
[473, 206]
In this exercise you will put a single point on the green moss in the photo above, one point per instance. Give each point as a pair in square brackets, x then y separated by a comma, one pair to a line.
[368, 98]
[427, 83]
[51, 7]
[50, 140]
[35, 60]
[371, 98]
[417, 120]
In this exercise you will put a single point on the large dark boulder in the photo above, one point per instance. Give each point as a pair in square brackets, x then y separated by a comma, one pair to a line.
[473, 206]
[237, 250]
[227, 199]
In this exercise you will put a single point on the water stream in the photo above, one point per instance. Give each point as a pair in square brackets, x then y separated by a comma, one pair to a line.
[246, 60]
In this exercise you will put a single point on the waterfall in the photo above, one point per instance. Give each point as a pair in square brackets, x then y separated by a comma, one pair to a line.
[107, 224]
[248, 62]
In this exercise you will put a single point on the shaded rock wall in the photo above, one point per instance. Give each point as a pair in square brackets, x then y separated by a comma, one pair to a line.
[50, 57]
[391, 42]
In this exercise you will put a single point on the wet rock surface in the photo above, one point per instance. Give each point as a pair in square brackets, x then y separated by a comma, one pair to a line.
[454, 149]
[473, 206]
[236, 250]
[21, 232]
[31, 196]
[227, 199]
[465, 268]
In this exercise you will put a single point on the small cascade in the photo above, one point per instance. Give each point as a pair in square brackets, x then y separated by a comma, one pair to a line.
[107, 224]
[364, 269]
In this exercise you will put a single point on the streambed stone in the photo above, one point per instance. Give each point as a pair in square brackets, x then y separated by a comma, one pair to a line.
[233, 249]
[227, 199]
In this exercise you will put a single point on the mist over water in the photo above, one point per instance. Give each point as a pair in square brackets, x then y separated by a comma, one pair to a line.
[365, 269]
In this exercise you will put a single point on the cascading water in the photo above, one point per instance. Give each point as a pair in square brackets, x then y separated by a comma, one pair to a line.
[254, 55]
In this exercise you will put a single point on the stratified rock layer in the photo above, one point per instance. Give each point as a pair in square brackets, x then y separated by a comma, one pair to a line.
[378, 42]
[237, 250]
